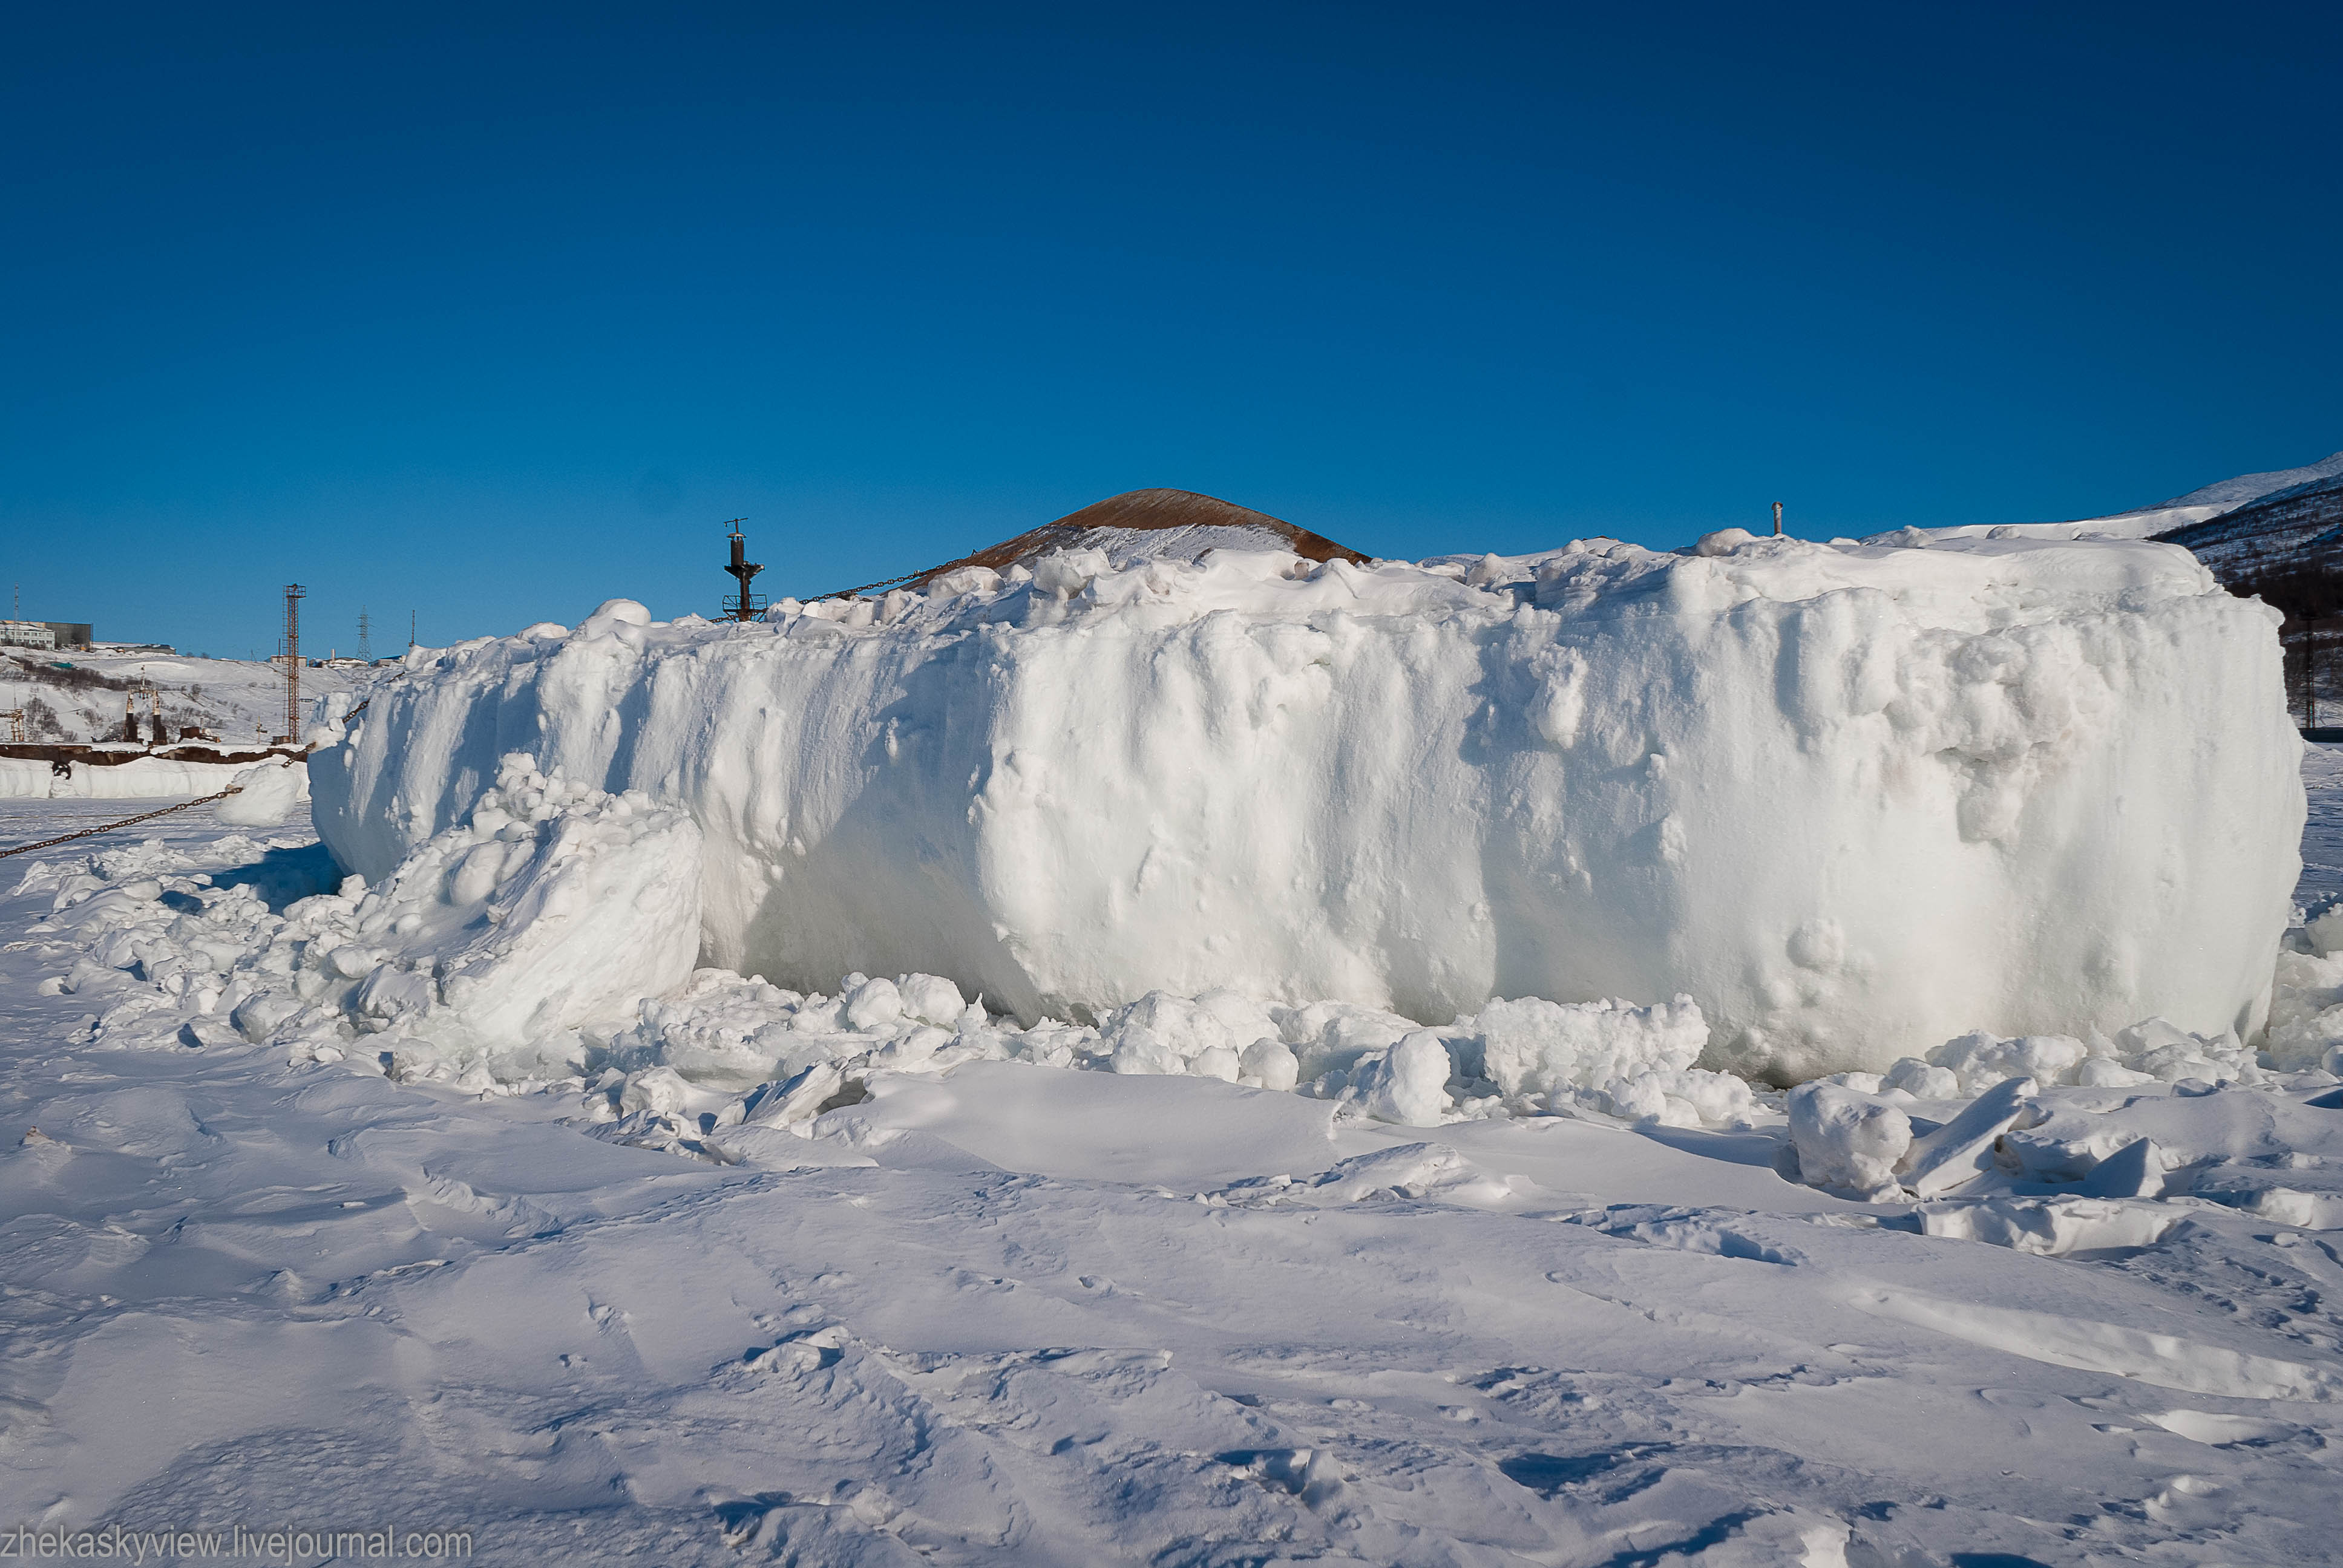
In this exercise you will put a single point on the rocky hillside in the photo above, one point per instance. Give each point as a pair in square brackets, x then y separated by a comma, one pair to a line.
[2285, 545]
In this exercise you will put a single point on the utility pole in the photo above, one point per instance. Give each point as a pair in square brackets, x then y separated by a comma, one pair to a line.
[1777, 519]
[294, 594]
[410, 629]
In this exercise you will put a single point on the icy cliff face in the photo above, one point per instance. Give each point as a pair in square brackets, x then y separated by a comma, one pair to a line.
[1852, 800]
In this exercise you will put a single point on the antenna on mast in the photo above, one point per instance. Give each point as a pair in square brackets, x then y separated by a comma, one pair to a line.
[745, 605]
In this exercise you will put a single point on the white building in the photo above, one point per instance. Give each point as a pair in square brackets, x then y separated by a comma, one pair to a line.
[26, 634]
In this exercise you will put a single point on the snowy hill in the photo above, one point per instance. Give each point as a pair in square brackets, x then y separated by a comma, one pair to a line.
[75, 696]
[2199, 506]
[2237, 492]
[2211, 501]
[2285, 548]
[1143, 526]
[2293, 529]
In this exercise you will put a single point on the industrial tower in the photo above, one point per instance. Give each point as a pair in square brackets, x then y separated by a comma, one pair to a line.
[743, 605]
[294, 594]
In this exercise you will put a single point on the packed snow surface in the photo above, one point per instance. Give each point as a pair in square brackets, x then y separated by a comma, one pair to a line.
[334, 1204]
[1851, 801]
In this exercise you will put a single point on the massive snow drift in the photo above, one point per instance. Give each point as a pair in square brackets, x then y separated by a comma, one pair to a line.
[1853, 800]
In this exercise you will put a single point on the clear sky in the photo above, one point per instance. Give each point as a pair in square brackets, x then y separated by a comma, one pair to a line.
[491, 312]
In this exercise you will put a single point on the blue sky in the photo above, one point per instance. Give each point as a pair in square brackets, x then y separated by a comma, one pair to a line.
[490, 313]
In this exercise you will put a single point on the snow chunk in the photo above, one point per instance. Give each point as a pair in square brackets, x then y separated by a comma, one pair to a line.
[2150, 1052]
[1956, 1153]
[1535, 1047]
[2306, 1020]
[2050, 1227]
[1408, 1084]
[266, 796]
[611, 612]
[1847, 1142]
[558, 906]
[479, 957]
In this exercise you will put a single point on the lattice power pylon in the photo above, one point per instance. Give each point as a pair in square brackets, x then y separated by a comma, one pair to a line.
[294, 594]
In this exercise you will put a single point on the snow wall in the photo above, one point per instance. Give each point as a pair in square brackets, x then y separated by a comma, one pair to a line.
[1854, 800]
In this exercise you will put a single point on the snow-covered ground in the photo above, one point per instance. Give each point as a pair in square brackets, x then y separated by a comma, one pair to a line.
[1015, 1299]
[2322, 837]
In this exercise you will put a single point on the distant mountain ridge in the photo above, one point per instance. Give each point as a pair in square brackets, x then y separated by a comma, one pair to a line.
[2164, 518]
[2285, 546]
[2253, 486]
[2276, 536]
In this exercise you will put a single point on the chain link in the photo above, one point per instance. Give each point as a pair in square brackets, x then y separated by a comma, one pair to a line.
[126, 822]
